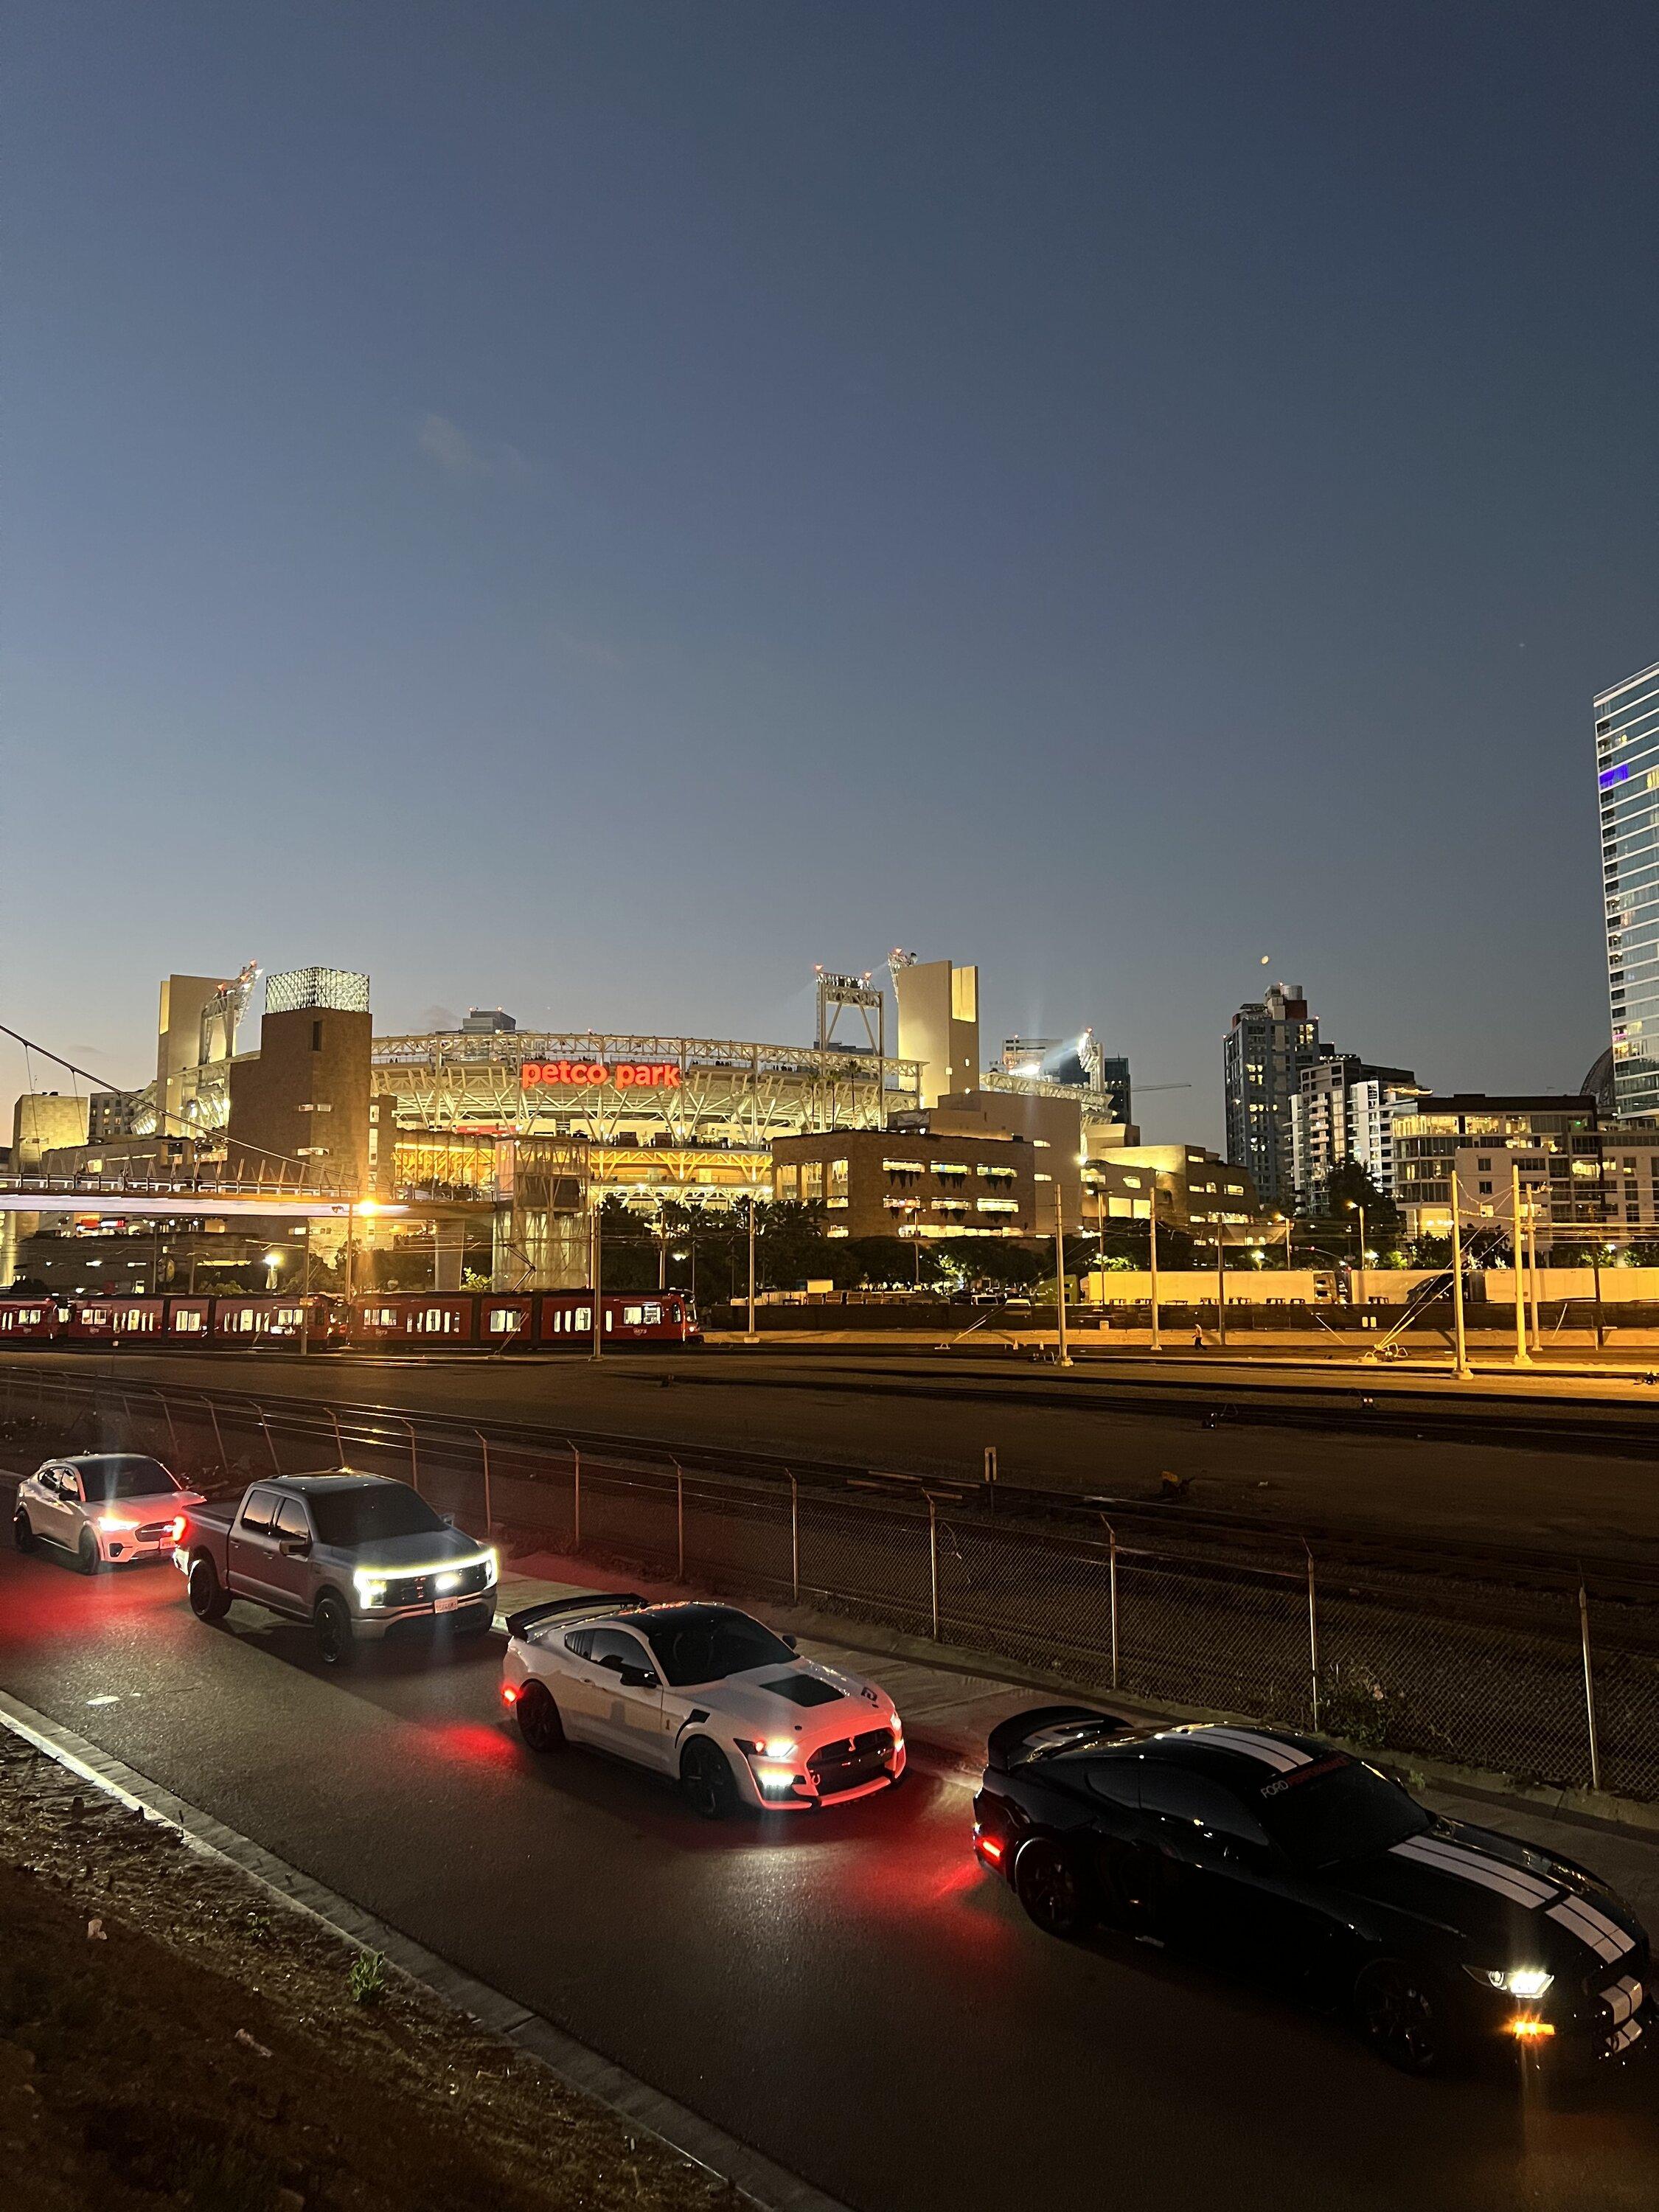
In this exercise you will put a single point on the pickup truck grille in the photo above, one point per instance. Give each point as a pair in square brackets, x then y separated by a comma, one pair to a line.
[852, 1760]
[421, 1589]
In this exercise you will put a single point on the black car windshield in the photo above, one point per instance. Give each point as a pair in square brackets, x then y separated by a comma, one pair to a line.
[1340, 1811]
[103, 1480]
[348, 1517]
[706, 1644]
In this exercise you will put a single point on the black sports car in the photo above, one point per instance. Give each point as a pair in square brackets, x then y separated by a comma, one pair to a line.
[1275, 1852]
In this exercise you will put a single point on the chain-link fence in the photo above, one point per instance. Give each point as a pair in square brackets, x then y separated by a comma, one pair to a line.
[1549, 1683]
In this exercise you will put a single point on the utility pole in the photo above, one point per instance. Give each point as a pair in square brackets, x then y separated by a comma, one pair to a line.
[750, 1337]
[596, 1255]
[1523, 1356]
[1152, 1253]
[1532, 1270]
[1062, 1355]
[1220, 1284]
[1461, 1366]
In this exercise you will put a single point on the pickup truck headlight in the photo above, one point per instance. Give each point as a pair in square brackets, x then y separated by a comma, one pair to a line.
[371, 1589]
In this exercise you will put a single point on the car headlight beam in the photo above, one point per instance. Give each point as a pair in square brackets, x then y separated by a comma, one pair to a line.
[1515, 1981]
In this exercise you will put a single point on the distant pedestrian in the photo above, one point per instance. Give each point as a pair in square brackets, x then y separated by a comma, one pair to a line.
[1198, 1338]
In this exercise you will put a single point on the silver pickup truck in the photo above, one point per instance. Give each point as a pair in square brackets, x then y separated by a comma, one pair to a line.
[356, 1555]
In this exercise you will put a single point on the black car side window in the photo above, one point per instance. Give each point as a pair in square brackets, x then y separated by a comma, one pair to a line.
[1177, 1794]
[579, 1643]
[290, 1523]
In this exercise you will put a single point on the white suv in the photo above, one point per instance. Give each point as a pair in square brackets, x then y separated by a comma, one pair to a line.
[106, 1507]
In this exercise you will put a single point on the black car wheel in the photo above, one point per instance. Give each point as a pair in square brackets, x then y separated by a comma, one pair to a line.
[1401, 2015]
[538, 1719]
[332, 1624]
[706, 1779]
[1048, 1886]
[208, 1600]
[23, 1532]
[86, 1553]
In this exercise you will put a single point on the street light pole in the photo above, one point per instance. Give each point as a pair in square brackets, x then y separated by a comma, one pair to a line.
[1523, 1356]
[750, 1338]
[1151, 1253]
[1062, 1355]
[1220, 1284]
[596, 1255]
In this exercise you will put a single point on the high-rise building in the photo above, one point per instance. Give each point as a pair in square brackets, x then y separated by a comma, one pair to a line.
[1627, 780]
[1272, 1039]
[1343, 1110]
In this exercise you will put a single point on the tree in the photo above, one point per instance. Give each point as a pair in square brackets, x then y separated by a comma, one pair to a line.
[1349, 1187]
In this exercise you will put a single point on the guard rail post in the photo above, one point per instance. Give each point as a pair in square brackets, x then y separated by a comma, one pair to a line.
[1313, 1634]
[339, 1441]
[218, 1440]
[576, 1495]
[1589, 1688]
[270, 1441]
[414, 1455]
[932, 1560]
[794, 1537]
[1111, 1588]
[173, 1433]
[489, 1518]
[679, 1521]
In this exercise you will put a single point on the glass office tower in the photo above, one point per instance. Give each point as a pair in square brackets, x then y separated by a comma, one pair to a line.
[1627, 777]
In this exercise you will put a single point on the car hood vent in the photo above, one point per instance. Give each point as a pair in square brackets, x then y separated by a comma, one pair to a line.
[804, 1690]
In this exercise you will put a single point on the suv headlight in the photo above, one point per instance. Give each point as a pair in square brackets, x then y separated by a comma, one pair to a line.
[1514, 1981]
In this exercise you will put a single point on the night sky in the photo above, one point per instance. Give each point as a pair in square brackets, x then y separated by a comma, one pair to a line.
[596, 508]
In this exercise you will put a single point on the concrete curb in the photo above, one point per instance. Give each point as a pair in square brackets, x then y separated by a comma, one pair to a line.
[749, 2172]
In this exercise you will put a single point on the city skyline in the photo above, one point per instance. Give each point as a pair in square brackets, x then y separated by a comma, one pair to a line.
[571, 508]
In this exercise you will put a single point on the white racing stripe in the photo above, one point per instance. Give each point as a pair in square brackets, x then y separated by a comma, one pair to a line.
[1282, 1757]
[1627, 2035]
[1603, 1936]
[1622, 1999]
[1513, 1882]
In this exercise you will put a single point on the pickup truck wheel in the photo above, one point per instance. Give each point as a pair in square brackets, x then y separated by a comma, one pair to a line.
[332, 1624]
[23, 1532]
[86, 1553]
[538, 1719]
[208, 1600]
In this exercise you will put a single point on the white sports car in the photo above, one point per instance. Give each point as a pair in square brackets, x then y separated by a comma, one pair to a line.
[702, 1692]
[106, 1507]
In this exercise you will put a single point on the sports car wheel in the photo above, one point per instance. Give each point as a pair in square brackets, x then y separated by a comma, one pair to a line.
[1400, 2015]
[22, 1533]
[1047, 1883]
[705, 1778]
[538, 1719]
[208, 1600]
[86, 1553]
[332, 1625]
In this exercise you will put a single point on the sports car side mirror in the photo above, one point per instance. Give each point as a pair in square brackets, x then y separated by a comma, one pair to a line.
[637, 1678]
[794, 1642]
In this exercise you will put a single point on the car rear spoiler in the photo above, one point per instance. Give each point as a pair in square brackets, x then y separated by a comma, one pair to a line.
[1020, 1730]
[531, 1616]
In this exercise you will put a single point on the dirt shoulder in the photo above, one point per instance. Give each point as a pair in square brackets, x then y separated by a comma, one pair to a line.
[172, 2032]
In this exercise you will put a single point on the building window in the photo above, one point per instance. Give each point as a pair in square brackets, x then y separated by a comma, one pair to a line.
[837, 1183]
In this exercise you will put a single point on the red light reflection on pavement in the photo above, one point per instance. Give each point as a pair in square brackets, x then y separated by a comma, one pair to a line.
[474, 1742]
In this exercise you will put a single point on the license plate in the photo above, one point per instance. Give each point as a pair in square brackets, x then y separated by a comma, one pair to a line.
[445, 1604]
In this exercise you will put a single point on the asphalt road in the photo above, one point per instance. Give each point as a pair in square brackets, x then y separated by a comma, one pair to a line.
[849, 1994]
[888, 1412]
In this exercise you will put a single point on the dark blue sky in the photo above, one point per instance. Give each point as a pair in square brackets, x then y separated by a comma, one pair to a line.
[598, 508]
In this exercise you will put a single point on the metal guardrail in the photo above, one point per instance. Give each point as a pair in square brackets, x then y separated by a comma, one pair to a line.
[1552, 1678]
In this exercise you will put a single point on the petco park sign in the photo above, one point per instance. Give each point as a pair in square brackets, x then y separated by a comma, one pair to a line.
[625, 1075]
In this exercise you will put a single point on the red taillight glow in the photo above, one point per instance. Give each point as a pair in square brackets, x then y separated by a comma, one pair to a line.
[509, 1695]
[988, 1847]
[180, 1525]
